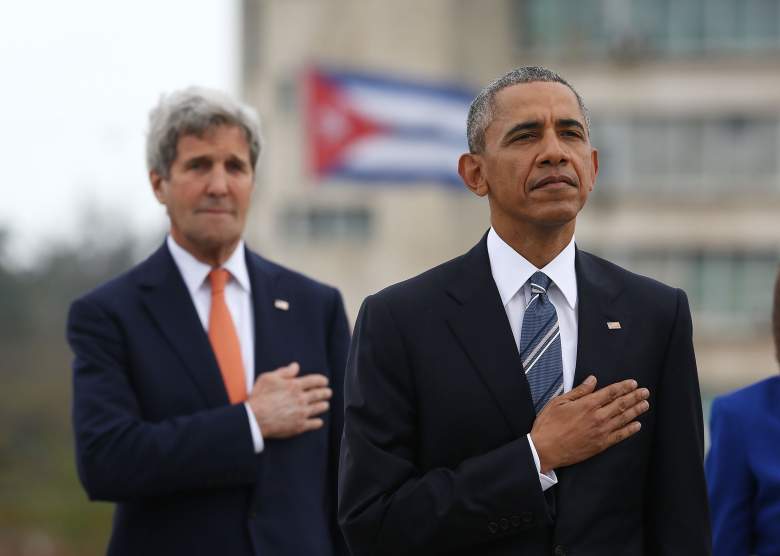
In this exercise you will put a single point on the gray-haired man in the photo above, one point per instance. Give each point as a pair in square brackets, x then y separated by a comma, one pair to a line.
[204, 376]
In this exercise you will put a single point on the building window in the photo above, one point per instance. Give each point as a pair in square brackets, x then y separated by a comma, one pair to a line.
[652, 27]
[315, 224]
[692, 157]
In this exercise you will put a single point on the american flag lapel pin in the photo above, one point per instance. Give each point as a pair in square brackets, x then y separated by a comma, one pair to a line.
[282, 304]
[613, 325]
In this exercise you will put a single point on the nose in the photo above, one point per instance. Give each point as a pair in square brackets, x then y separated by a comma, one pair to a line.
[553, 152]
[217, 181]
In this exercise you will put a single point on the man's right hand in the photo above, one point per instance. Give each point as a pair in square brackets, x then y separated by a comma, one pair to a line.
[285, 404]
[583, 422]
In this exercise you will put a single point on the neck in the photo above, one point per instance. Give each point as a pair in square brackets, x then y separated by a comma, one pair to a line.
[214, 256]
[537, 245]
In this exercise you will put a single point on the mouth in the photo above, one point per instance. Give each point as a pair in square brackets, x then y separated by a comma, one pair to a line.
[551, 182]
[216, 211]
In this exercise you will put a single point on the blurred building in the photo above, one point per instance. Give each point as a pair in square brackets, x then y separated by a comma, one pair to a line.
[685, 101]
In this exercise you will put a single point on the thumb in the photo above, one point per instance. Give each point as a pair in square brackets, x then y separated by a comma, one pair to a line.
[290, 370]
[586, 387]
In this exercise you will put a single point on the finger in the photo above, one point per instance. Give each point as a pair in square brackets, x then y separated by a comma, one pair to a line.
[610, 393]
[318, 408]
[307, 382]
[624, 402]
[583, 389]
[318, 394]
[312, 424]
[289, 371]
[622, 433]
[622, 419]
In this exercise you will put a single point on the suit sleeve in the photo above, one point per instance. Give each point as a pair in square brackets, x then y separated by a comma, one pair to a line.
[387, 504]
[677, 510]
[120, 456]
[338, 346]
[730, 484]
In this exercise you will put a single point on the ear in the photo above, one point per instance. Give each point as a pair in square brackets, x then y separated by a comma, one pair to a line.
[158, 186]
[594, 158]
[472, 174]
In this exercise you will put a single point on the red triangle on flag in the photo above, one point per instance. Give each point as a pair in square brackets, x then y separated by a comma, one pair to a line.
[332, 124]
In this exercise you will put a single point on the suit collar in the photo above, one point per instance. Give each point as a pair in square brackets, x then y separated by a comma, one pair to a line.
[480, 325]
[167, 300]
[195, 272]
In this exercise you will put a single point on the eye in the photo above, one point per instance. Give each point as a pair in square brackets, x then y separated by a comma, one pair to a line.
[523, 136]
[572, 133]
[236, 166]
[197, 164]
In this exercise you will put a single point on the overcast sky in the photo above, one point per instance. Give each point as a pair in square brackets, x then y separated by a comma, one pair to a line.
[79, 78]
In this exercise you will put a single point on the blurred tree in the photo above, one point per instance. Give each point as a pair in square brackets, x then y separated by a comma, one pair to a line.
[43, 509]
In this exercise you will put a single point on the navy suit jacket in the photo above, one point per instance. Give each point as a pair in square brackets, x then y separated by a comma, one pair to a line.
[435, 458]
[743, 470]
[155, 432]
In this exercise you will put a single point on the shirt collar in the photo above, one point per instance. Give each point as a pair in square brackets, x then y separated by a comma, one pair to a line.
[195, 272]
[511, 270]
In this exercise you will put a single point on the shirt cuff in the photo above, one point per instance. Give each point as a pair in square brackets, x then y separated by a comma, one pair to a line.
[546, 481]
[257, 436]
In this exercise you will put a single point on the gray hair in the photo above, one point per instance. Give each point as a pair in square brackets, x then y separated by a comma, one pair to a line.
[483, 106]
[194, 111]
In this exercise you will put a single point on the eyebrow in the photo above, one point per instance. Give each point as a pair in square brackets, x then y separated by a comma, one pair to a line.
[198, 158]
[570, 122]
[536, 125]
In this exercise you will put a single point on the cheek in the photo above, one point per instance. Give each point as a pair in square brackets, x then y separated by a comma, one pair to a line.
[243, 194]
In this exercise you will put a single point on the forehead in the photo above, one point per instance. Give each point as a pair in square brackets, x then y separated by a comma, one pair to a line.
[538, 100]
[222, 139]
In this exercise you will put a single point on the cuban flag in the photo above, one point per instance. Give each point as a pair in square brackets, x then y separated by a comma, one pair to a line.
[384, 130]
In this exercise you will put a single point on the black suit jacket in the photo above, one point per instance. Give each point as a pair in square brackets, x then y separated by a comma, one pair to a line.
[155, 432]
[435, 460]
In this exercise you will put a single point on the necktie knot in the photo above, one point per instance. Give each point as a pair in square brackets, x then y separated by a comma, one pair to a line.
[218, 278]
[539, 283]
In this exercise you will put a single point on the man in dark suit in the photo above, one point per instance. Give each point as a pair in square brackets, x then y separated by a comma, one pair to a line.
[474, 423]
[201, 397]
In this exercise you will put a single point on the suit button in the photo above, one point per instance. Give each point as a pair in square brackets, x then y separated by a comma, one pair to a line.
[516, 521]
[559, 551]
[528, 518]
[504, 522]
[493, 527]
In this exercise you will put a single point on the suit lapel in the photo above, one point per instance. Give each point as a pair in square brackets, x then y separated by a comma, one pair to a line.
[167, 300]
[274, 325]
[481, 327]
[599, 348]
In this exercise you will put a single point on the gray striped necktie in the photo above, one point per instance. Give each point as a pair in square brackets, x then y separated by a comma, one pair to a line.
[540, 344]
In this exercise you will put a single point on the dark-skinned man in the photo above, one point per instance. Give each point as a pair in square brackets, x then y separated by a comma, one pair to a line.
[526, 398]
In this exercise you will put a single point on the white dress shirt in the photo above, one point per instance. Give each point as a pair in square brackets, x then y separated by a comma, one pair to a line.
[238, 296]
[510, 272]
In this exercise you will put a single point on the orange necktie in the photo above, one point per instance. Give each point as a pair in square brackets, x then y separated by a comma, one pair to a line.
[224, 340]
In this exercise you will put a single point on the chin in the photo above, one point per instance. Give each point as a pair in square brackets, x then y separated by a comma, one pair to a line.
[556, 217]
[216, 241]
